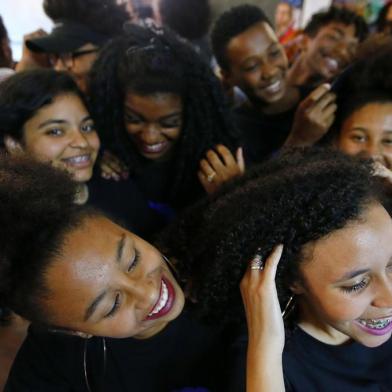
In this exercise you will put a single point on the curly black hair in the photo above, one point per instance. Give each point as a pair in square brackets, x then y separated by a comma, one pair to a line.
[296, 198]
[24, 93]
[230, 24]
[188, 18]
[147, 61]
[104, 16]
[337, 15]
[37, 210]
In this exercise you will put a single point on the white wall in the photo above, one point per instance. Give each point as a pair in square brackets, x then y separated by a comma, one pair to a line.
[310, 7]
[22, 17]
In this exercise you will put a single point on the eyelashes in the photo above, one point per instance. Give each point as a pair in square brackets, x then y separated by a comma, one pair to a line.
[356, 287]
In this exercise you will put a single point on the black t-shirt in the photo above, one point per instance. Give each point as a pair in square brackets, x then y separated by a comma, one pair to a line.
[186, 354]
[263, 134]
[312, 366]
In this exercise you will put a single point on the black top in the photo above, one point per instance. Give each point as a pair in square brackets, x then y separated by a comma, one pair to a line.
[186, 354]
[312, 366]
[263, 134]
[123, 202]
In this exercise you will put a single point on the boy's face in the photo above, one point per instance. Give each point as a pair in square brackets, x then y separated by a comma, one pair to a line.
[330, 50]
[258, 64]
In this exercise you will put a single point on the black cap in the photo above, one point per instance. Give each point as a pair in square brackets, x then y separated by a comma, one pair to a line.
[66, 37]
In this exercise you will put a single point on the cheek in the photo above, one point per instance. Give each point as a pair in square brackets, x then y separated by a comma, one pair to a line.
[44, 150]
[94, 142]
[349, 147]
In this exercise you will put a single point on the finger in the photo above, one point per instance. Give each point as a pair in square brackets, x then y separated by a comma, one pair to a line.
[324, 101]
[240, 159]
[272, 261]
[329, 110]
[206, 168]
[315, 95]
[226, 155]
[109, 173]
[203, 180]
[215, 162]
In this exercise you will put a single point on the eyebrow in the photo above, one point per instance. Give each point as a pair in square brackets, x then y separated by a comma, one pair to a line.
[93, 306]
[45, 123]
[352, 274]
[134, 112]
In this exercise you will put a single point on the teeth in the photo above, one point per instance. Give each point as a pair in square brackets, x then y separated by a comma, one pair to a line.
[332, 64]
[274, 87]
[162, 301]
[154, 147]
[79, 159]
[375, 324]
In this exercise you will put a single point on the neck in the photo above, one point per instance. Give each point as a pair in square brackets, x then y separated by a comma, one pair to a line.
[315, 327]
[81, 196]
[287, 102]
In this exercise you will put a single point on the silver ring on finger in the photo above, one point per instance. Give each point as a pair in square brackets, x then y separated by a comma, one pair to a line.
[211, 176]
[257, 263]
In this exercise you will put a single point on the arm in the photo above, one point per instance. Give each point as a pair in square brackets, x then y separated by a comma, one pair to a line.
[264, 372]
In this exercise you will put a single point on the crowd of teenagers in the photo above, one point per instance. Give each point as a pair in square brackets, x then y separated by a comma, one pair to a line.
[188, 205]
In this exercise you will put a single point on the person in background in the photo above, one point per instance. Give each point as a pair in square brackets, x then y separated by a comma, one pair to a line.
[384, 20]
[190, 19]
[330, 42]
[82, 27]
[44, 115]
[6, 61]
[252, 59]
[160, 109]
[284, 22]
[363, 124]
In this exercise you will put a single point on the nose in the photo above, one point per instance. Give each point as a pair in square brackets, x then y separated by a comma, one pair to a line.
[79, 140]
[143, 291]
[59, 65]
[383, 298]
[150, 134]
[374, 150]
[268, 71]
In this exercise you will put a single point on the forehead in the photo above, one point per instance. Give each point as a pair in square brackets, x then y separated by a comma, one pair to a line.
[254, 41]
[62, 104]
[362, 244]
[154, 103]
[372, 116]
[346, 30]
[82, 267]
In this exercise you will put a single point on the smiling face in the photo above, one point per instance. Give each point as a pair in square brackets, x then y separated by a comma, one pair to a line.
[258, 64]
[61, 133]
[368, 132]
[153, 123]
[331, 50]
[346, 288]
[109, 282]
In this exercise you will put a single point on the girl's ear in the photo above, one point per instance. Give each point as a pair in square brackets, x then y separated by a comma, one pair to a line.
[297, 288]
[12, 146]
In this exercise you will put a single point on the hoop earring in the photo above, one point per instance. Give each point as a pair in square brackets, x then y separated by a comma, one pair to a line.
[172, 268]
[290, 305]
[85, 364]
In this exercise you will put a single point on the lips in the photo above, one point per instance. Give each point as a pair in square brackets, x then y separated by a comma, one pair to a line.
[165, 302]
[378, 327]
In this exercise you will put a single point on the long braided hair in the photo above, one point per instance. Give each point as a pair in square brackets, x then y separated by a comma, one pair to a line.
[147, 61]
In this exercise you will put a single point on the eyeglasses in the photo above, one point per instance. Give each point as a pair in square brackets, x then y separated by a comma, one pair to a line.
[68, 59]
